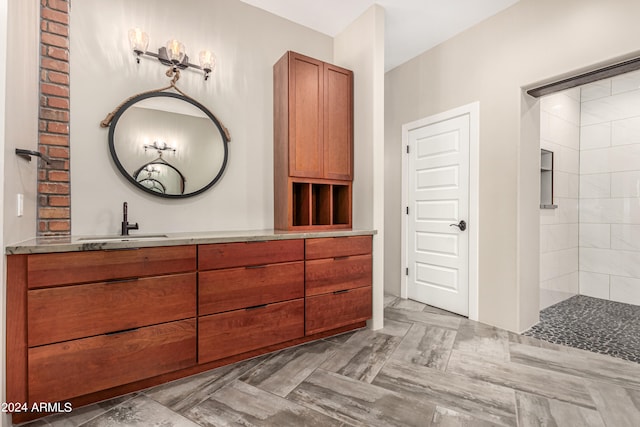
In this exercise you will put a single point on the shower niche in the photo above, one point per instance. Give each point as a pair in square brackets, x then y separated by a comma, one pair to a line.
[546, 180]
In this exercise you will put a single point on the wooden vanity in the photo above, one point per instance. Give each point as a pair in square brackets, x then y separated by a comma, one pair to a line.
[87, 325]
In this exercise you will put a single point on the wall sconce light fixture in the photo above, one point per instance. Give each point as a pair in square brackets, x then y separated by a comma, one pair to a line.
[172, 55]
[160, 147]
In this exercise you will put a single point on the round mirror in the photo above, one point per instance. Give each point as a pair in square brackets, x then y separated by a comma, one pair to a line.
[168, 145]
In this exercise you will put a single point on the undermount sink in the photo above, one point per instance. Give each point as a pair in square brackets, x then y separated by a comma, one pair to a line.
[122, 238]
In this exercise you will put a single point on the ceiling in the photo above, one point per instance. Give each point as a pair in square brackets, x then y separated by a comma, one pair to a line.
[411, 26]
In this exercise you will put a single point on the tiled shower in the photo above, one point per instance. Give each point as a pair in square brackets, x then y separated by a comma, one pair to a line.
[590, 243]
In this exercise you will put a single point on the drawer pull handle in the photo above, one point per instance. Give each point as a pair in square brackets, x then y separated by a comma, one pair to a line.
[255, 307]
[338, 258]
[344, 291]
[255, 266]
[131, 279]
[124, 331]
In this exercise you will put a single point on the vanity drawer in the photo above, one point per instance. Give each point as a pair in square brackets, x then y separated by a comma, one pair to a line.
[71, 312]
[235, 332]
[61, 371]
[330, 247]
[68, 268]
[337, 274]
[330, 311]
[231, 289]
[229, 255]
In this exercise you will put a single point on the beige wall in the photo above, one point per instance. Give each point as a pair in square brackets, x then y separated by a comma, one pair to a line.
[534, 41]
[19, 114]
[247, 42]
[360, 47]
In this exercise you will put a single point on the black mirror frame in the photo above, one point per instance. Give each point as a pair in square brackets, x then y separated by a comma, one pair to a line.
[123, 171]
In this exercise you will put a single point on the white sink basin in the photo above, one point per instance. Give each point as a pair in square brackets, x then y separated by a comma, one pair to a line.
[131, 237]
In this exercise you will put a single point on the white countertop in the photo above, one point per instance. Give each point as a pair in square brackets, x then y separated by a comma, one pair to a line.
[94, 243]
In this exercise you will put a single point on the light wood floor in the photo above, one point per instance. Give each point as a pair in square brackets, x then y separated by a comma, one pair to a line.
[425, 368]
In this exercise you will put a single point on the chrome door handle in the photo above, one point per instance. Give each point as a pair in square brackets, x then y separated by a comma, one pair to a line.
[461, 225]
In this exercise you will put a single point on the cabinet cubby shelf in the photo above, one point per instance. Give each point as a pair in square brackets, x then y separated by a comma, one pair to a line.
[319, 204]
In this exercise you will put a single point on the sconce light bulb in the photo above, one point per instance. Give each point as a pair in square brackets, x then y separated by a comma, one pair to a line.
[175, 51]
[207, 61]
[139, 41]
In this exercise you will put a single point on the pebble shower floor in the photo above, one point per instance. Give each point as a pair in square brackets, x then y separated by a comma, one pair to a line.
[593, 324]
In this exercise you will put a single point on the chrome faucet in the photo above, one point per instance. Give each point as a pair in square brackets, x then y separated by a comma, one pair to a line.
[125, 222]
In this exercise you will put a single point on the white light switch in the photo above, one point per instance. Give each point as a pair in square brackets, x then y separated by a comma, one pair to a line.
[20, 204]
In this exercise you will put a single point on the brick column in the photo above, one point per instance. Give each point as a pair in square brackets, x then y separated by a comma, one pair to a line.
[54, 187]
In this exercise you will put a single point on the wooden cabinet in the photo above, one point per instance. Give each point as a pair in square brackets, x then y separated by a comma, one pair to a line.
[99, 319]
[239, 331]
[74, 368]
[313, 144]
[86, 326]
[256, 303]
[338, 282]
[65, 268]
[70, 312]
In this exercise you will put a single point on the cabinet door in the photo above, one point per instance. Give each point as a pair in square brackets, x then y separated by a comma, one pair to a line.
[338, 123]
[337, 274]
[234, 332]
[305, 117]
[75, 368]
[70, 312]
[235, 288]
[331, 311]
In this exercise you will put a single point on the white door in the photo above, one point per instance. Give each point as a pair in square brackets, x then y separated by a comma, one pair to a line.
[438, 214]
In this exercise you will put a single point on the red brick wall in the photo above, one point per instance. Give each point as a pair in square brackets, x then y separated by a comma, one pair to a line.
[54, 190]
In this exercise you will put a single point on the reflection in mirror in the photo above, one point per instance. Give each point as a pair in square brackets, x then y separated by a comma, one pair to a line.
[168, 144]
[161, 177]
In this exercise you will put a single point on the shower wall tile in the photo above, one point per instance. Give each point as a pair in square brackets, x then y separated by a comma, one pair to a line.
[610, 211]
[558, 263]
[595, 136]
[625, 184]
[558, 237]
[569, 283]
[595, 186]
[566, 213]
[614, 159]
[595, 90]
[562, 131]
[562, 106]
[625, 82]
[625, 237]
[594, 285]
[594, 260]
[615, 107]
[625, 289]
[561, 184]
[595, 236]
[626, 131]
[612, 262]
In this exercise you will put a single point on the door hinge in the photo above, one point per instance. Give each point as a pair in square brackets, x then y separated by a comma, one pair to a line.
[406, 271]
[407, 210]
[407, 149]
